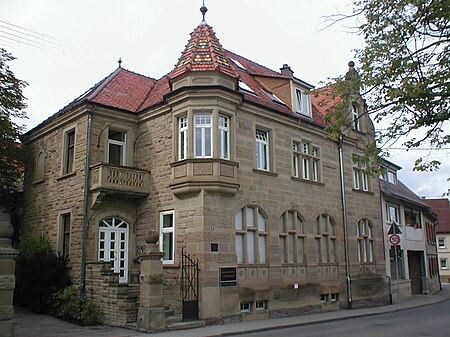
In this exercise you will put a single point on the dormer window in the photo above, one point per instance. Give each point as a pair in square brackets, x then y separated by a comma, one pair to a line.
[392, 177]
[302, 102]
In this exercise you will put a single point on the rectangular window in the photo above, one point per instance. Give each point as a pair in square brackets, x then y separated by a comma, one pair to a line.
[246, 306]
[302, 102]
[444, 264]
[392, 177]
[412, 218]
[360, 176]
[392, 214]
[262, 150]
[260, 305]
[182, 137]
[203, 135]
[334, 297]
[323, 298]
[356, 123]
[442, 243]
[305, 161]
[65, 235]
[69, 151]
[224, 137]
[116, 147]
[167, 235]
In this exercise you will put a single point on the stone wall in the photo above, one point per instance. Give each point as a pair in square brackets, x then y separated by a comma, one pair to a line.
[118, 302]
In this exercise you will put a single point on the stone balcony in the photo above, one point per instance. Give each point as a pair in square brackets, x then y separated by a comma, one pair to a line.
[209, 174]
[109, 179]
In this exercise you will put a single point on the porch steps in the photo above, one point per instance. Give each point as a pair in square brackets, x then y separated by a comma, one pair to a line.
[185, 325]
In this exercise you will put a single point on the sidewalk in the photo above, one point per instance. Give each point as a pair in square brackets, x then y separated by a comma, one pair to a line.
[27, 324]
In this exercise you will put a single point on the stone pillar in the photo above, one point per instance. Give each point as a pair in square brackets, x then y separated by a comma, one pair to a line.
[7, 279]
[151, 313]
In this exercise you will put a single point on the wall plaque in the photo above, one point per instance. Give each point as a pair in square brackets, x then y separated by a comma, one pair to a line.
[228, 276]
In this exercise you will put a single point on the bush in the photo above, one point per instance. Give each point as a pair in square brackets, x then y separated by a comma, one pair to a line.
[72, 307]
[39, 275]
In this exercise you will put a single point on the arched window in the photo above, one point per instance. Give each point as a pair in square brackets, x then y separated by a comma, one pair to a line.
[364, 236]
[325, 236]
[40, 162]
[356, 122]
[113, 245]
[292, 238]
[251, 235]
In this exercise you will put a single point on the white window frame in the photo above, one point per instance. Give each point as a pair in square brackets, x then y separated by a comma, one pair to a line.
[122, 145]
[306, 161]
[182, 137]
[251, 225]
[444, 242]
[292, 238]
[201, 127]
[260, 305]
[326, 240]
[396, 209]
[360, 177]
[245, 306]
[302, 102]
[365, 241]
[111, 237]
[167, 230]
[356, 122]
[391, 177]
[443, 263]
[262, 150]
[224, 137]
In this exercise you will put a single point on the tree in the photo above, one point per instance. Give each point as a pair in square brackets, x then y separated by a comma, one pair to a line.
[12, 104]
[404, 72]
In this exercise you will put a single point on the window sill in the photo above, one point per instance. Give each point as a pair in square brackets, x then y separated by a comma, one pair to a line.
[267, 173]
[361, 191]
[307, 181]
[253, 265]
[37, 182]
[67, 175]
[171, 265]
[293, 264]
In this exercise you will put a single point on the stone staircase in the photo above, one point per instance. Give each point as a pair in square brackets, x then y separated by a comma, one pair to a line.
[175, 322]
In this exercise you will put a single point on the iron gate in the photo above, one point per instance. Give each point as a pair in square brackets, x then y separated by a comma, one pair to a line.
[189, 287]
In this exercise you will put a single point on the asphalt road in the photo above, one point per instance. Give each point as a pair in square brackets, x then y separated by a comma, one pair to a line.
[432, 320]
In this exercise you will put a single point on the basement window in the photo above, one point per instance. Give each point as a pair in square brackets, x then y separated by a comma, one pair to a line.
[246, 306]
[334, 297]
[323, 298]
[260, 305]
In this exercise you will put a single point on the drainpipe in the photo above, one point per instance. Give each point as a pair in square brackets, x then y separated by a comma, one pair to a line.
[344, 217]
[87, 175]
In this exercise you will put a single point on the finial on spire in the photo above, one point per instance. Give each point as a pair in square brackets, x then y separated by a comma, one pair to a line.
[203, 9]
[120, 62]
[351, 70]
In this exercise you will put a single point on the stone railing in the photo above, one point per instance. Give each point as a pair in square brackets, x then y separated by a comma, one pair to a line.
[213, 175]
[121, 180]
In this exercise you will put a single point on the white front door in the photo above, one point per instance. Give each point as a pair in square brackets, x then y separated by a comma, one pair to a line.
[113, 245]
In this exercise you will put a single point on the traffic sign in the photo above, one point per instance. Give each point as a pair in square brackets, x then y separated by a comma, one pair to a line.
[394, 239]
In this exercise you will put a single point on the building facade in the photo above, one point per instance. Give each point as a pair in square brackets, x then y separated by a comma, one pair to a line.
[410, 241]
[228, 161]
[441, 208]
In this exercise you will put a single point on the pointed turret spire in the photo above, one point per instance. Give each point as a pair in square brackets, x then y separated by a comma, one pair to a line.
[203, 53]
[203, 9]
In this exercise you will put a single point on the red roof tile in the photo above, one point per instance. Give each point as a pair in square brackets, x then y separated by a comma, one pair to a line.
[202, 53]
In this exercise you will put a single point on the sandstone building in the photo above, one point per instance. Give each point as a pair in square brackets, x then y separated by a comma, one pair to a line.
[227, 160]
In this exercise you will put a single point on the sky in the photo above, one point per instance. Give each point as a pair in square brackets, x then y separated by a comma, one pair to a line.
[65, 47]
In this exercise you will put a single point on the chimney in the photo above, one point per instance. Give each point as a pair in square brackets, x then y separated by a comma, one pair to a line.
[287, 71]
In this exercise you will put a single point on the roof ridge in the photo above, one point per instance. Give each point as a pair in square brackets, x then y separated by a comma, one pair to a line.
[150, 91]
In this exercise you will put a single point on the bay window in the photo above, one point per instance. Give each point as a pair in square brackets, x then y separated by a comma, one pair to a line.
[203, 135]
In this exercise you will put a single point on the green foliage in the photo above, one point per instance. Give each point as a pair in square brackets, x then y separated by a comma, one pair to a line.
[12, 103]
[39, 274]
[404, 71]
[72, 307]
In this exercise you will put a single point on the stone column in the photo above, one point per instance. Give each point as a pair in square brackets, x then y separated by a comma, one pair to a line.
[151, 313]
[7, 279]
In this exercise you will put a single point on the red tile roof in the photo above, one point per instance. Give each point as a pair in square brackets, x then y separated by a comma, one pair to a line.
[129, 91]
[441, 207]
[203, 52]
